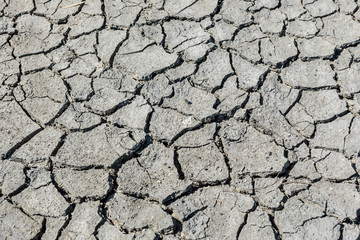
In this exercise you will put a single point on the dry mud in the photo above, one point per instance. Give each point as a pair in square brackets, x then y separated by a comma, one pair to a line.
[168, 119]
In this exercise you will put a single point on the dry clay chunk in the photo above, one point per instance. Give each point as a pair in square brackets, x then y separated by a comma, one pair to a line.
[14, 224]
[258, 226]
[92, 183]
[35, 34]
[190, 8]
[12, 122]
[245, 154]
[313, 74]
[83, 222]
[339, 199]
[156, 174]
[40, 147]
[133, 213]
[44, 201]
[12, 176]
[203, 164]
[100, 146]
[192, 101]
[45, 94]
[212, 213]
[212, 72]
[174, 121]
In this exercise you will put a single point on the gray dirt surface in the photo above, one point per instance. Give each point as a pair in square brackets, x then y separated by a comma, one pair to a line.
[179, 119]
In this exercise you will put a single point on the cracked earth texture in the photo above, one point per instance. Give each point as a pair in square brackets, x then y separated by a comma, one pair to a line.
[168, 119]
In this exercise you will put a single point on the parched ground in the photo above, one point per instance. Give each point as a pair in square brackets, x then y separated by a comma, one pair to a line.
[179, 119]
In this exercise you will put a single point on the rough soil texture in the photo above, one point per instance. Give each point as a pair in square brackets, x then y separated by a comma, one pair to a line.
[168, 119]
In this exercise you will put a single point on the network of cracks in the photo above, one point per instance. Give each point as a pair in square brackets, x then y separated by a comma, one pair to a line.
[167, 119]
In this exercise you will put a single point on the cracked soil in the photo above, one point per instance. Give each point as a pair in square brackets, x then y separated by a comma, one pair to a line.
[179, 119]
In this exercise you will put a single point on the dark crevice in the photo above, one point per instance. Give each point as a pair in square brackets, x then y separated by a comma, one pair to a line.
[69, 212]
[178, 166]
[26, 139]
[214, 17]
[275, 228]
[242, 225]
[220, 146]
[23, 186]
[42, 231]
